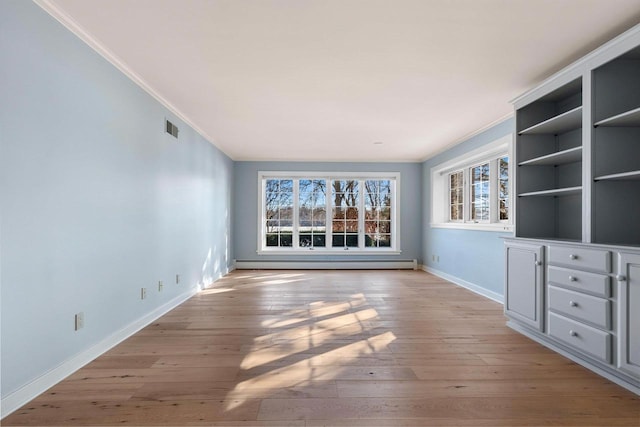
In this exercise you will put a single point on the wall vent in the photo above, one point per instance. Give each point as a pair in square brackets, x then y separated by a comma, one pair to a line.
[171, 129]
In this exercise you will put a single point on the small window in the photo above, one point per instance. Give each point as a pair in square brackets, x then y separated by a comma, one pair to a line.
[472, 191]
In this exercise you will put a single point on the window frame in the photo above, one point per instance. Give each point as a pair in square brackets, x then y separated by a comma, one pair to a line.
[440, 187]
[296, 176]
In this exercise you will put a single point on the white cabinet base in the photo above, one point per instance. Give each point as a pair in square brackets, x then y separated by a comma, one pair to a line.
[628, 383]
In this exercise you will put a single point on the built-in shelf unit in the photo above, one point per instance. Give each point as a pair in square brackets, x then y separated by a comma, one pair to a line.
[572, 279]
[616, 151]
[549, 158]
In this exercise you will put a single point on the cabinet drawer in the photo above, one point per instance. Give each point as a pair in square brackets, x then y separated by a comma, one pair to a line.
[594, 310]
[597, 284]
[592, 341]
[588, 259]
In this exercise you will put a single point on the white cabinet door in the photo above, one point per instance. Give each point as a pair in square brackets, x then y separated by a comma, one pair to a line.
[524, 283]
[629, 313]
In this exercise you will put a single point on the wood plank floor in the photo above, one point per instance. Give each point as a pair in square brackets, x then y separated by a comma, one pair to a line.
[348, 348]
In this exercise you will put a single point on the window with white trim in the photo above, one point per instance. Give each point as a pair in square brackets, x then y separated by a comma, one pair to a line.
[302, 211]
[472, 191]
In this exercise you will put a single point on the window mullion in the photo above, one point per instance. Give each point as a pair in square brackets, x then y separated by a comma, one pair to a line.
[493, 191]
[394, 219]
[262, 229]
[361, 196]
[466, 195]
[329, 215]
[296, 216]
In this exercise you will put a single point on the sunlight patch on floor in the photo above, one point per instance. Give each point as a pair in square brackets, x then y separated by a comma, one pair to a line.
[314, 368]
[211, 291]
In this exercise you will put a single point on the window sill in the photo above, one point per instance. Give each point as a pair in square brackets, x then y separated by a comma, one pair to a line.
[310, 252]
[498, 227]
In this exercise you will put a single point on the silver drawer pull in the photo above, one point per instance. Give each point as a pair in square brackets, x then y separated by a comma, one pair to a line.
[620, 278]
[573, 303]
[538, 262]
[573, 279]
[573, 333]
[572, 256]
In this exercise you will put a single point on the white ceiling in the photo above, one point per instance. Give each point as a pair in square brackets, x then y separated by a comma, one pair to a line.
[325, 79]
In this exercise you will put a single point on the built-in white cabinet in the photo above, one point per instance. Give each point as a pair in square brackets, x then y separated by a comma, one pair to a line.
[577, 212]
[524, 276]
[628, 279]
[579, 303]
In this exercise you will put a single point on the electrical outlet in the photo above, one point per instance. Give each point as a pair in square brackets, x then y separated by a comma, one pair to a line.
[177, 279]
[438, 258]
[143, 293]
[79, 321]
[160, 286]
[433, 258]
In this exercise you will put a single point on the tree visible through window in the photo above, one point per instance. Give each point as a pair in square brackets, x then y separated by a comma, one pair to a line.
[324, 212]
[472, 190]
[480, 193]
[279, 212]
[312, 212]
[345, 213]
[377, 215]
[503, 188]
[456, 196]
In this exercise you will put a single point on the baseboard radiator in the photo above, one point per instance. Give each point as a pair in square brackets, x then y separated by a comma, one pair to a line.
[328, 265]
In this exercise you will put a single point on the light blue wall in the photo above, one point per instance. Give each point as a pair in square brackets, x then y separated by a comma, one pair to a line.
[96, 200]
[246, 207]
[473, 256]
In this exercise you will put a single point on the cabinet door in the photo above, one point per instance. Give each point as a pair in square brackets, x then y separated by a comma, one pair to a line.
[524, 283]
[629, 313]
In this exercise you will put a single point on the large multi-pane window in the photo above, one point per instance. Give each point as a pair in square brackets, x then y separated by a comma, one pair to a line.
[302, 211]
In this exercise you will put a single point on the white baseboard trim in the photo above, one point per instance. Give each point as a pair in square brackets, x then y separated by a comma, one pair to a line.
[327, 265]
[36, 387]
[463, 283]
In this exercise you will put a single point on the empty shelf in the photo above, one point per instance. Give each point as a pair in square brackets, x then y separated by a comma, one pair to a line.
[628, 118]
[564, 122]
[624, 176]
[554, 192]
[560, 158]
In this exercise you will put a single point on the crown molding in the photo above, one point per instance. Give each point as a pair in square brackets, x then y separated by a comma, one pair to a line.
[72, 25]
[468, 136]
[594, 58]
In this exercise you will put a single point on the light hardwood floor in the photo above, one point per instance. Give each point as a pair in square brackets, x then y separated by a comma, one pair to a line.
[332, 348]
